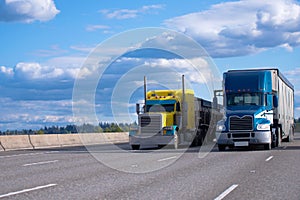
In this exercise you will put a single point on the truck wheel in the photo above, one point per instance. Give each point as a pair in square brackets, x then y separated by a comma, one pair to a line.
[274, 141]
[267, 146]
[290, 137]
[135, 147]
[176, 141]
[221, 147]
[278, 136]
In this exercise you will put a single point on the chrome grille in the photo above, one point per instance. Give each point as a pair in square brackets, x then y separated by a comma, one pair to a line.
[241, 123]
[150, 124]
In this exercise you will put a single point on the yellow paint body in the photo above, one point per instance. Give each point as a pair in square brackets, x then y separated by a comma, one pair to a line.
[168, 117]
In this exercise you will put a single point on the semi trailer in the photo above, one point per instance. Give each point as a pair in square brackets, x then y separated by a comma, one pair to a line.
[259, 109]
[171, 117]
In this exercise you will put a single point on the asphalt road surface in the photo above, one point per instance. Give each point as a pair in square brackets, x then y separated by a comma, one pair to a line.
[116, 172]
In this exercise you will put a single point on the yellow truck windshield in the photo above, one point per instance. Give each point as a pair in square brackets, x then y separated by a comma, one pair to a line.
[160, 108]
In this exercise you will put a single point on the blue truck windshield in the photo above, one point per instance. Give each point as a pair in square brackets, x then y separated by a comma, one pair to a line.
[160, 108]
[245, 99]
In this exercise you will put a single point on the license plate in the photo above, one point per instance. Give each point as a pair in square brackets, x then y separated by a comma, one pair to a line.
[241, 144]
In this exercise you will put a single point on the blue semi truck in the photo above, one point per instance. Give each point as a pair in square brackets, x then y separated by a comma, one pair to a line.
[259, 109]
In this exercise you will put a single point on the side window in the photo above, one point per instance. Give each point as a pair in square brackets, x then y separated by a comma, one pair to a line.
[177, 106]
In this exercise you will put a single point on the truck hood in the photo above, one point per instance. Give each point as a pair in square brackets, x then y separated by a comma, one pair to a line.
[241, 111]
[257, 112]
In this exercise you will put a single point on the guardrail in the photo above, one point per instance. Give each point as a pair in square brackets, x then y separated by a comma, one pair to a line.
[16, 142]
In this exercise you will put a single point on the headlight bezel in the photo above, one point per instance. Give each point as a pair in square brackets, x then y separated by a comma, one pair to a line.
[221, 126]
[263, 127]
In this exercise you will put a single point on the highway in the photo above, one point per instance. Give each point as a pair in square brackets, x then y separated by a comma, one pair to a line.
[116, 172]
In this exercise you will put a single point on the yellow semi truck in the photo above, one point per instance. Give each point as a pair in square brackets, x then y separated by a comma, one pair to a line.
[171, 117]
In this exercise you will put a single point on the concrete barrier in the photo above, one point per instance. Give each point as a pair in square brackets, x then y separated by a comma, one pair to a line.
[44, 141]
[103, 138]
[1, 148]
[92, 138]
[14, 142]
[69, 139]
[116, 137]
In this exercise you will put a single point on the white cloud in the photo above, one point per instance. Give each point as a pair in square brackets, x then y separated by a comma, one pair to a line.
[37, 71]
[54, 50]
[24, 114]
[66, 61]
[85, 49]
[27, 10]
[130, 13]
[243, 27]
[199, 74]
[95, 27]
[6, 71]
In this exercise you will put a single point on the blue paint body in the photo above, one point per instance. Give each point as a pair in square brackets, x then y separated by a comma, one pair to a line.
[250, 82]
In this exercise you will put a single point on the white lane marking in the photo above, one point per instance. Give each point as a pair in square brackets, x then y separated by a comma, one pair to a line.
[40, 163]
[27, 190]
[27, 154]
[268, 159]
[226, 192]
[164, 159]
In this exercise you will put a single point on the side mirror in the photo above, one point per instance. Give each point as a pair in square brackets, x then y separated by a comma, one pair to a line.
[275, 101]
[215, 102]
[137, 108]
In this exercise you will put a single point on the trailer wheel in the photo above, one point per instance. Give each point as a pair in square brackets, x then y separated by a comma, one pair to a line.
[135, 147]
[290, 137]
[221, 147]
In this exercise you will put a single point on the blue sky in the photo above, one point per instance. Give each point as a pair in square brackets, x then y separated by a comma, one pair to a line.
[45, 43]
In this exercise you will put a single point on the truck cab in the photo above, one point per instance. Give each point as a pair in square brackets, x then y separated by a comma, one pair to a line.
[253, 115]
[162, 118]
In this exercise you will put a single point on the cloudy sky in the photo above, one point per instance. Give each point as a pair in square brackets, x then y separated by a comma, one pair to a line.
[46, 49]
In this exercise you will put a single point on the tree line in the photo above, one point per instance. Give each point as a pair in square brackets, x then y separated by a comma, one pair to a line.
[102, 127]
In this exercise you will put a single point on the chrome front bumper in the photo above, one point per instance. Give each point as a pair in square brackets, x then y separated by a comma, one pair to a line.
[252, 137]
[151, 140]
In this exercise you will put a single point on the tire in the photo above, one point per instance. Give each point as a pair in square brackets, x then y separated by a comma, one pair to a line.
[176, 141]
[291, 135]
[289, 138]
[279, 137]
[221, 147]
[274, 140]
[135, 147]
[267, 146]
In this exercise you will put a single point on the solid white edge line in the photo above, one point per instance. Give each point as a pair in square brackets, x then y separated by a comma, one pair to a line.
[27, 190]
[40, 163]
[268, 159]
[27, 154]
[164, 159]
[226, 192]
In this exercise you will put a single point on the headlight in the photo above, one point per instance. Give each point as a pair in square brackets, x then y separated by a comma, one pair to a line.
[168, 128]
[220, 127]
[263, 126]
